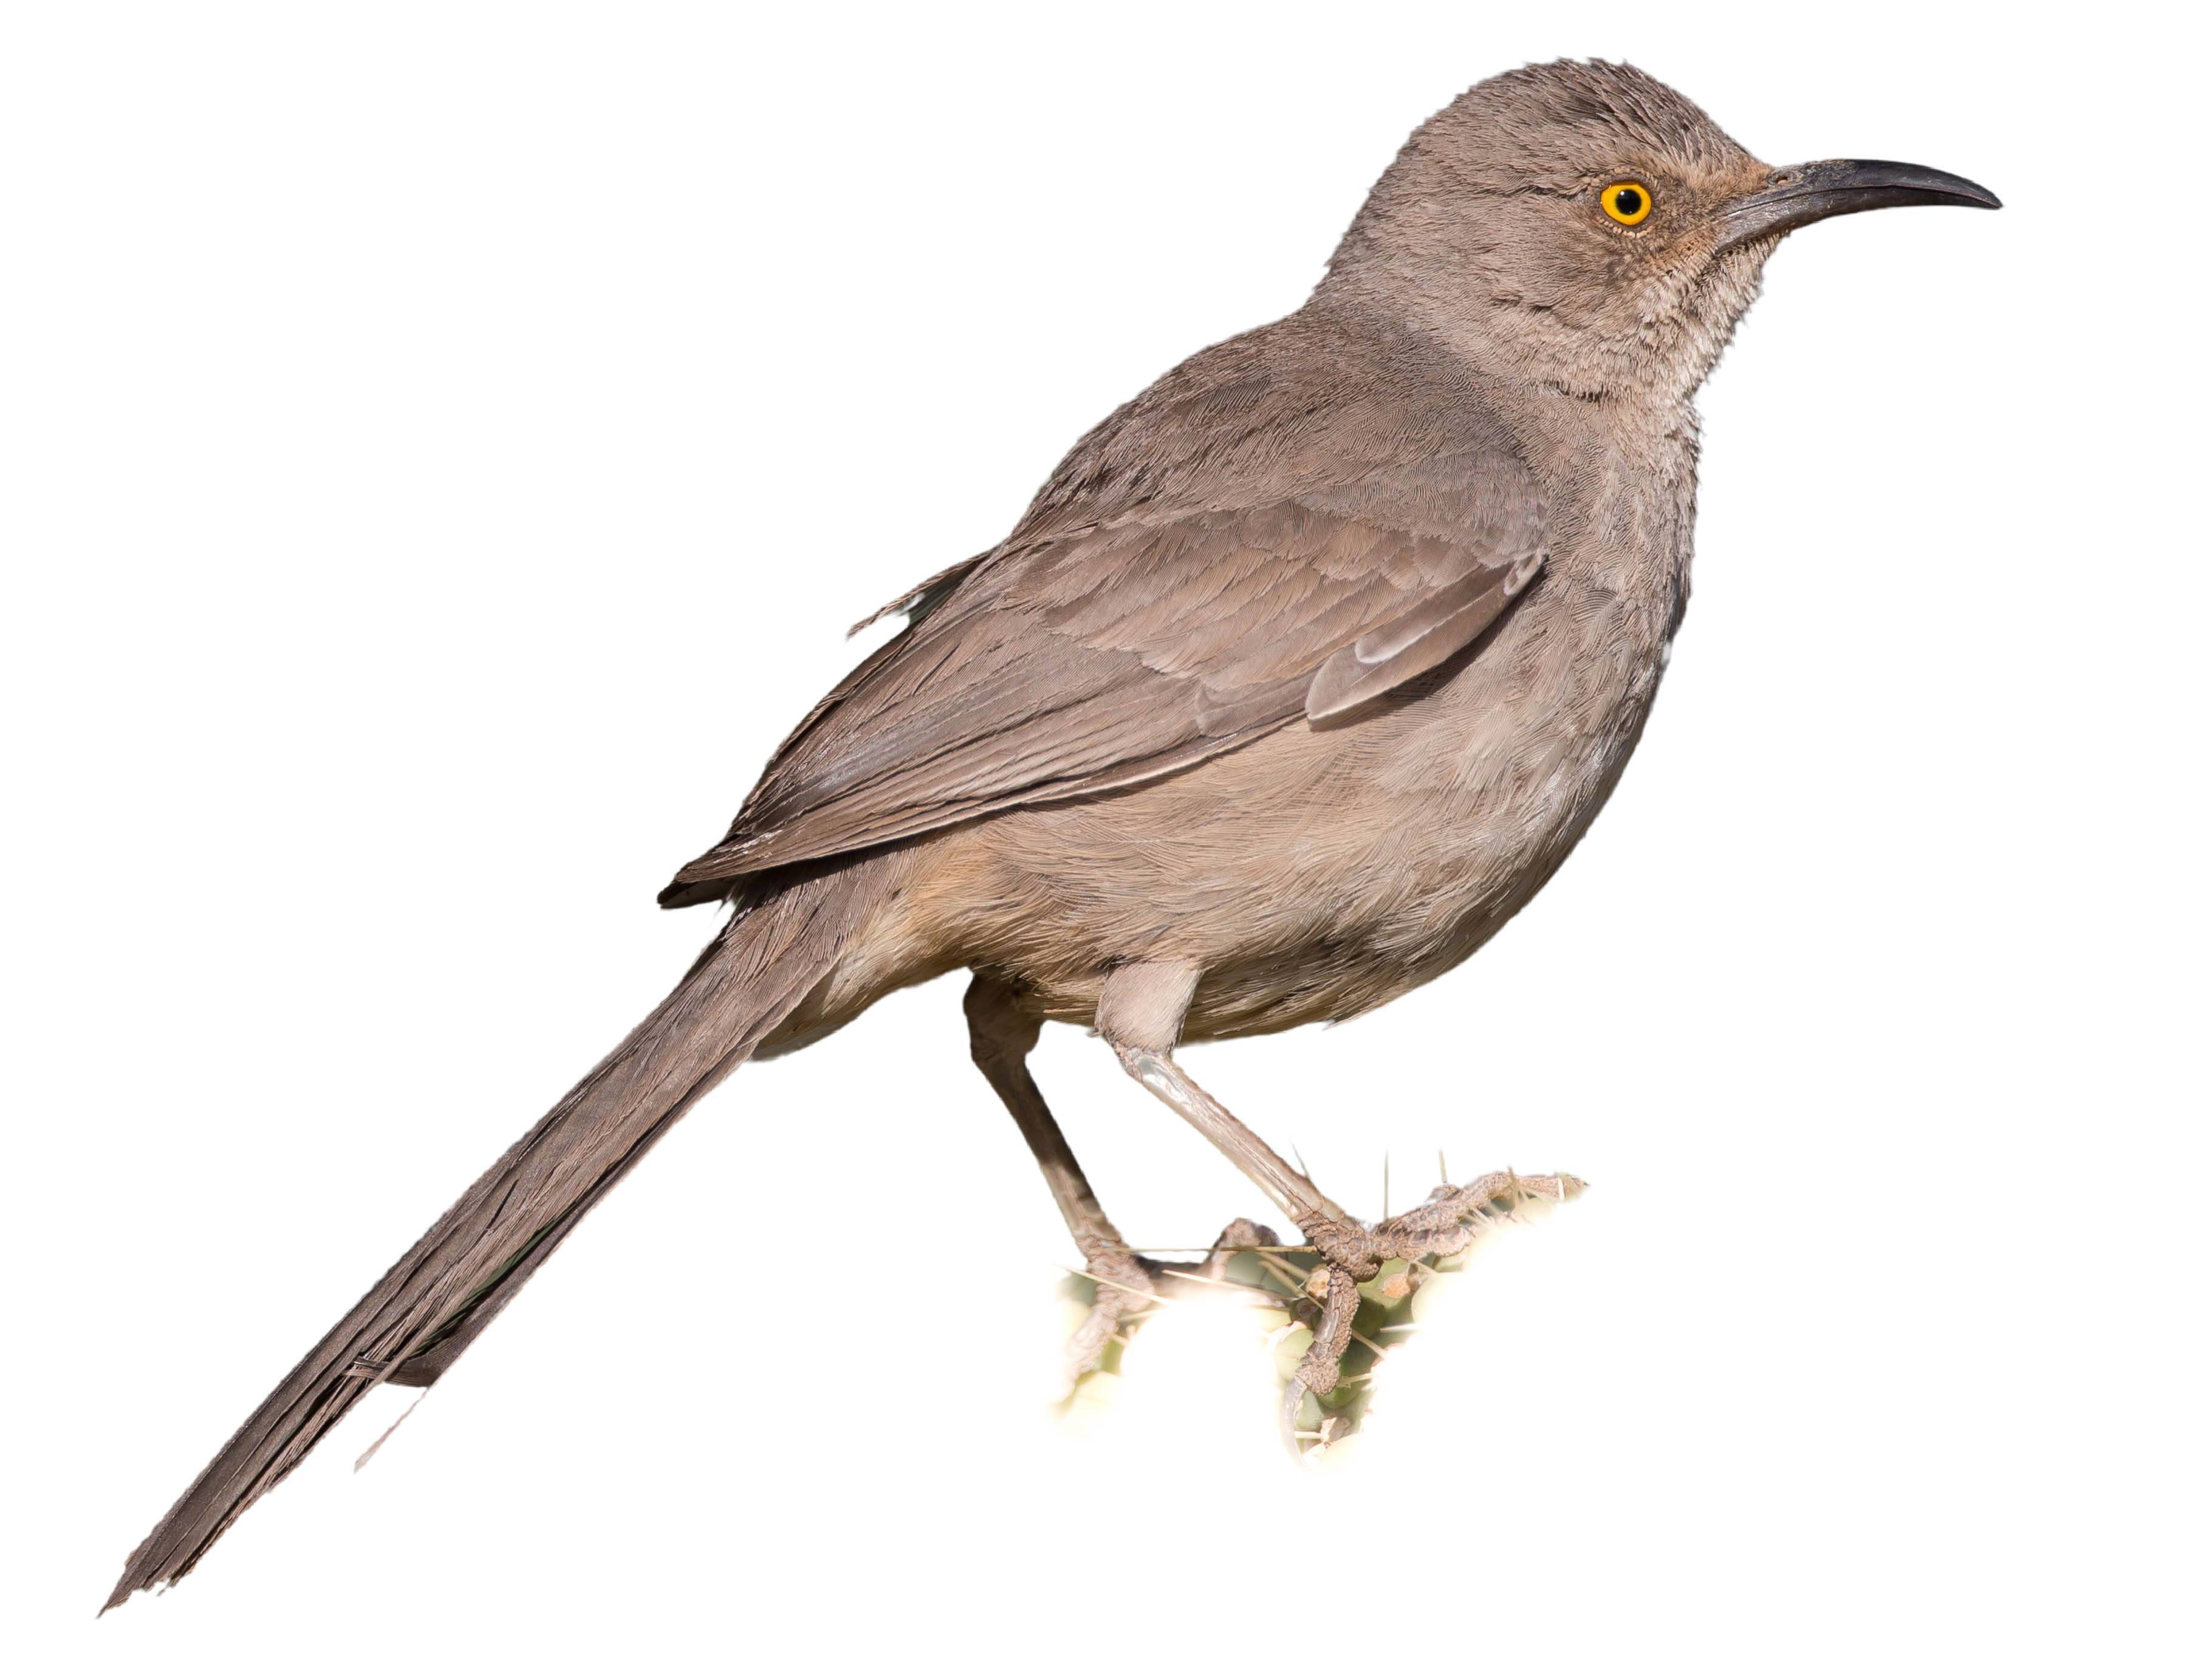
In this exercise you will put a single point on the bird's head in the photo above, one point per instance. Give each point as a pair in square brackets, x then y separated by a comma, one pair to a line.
[1583, 226]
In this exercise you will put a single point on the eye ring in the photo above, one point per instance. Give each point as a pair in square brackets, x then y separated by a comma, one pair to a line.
[1626, 201]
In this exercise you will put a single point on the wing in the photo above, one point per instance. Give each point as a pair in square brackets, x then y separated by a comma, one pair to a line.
[1129, 650]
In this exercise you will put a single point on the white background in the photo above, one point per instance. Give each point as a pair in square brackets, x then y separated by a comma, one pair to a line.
[443, 446]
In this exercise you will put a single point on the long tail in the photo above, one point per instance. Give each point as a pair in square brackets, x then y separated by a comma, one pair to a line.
[440, 1295]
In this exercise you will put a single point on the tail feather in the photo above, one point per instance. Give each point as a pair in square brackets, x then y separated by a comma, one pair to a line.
[439, 1297]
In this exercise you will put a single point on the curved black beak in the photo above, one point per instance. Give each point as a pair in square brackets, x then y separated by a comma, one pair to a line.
[1821, 190]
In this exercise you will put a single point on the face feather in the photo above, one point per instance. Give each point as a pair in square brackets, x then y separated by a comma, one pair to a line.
[1491, 228]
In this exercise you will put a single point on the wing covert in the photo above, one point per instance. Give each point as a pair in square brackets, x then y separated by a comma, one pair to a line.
[1127, 651]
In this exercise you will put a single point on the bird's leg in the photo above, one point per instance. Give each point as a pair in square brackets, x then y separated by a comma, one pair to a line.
[1348, 1248]
[1140, 1011]
[1001, 1035]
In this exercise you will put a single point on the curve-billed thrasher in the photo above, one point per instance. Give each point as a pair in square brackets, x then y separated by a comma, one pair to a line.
[1299, 677]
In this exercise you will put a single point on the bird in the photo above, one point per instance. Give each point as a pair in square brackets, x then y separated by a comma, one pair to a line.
[1300, 674]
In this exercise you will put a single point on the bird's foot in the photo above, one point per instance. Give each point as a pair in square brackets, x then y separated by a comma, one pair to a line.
[1121, 1284]
[1361, 1275]
[1124, 1288]
[1338, 1301]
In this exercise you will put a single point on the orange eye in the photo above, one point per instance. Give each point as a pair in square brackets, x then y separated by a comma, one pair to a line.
[1626, 201]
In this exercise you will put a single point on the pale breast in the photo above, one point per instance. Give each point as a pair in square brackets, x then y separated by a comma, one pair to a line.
[1323, 872]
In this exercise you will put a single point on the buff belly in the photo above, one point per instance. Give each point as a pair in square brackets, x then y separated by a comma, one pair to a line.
[1356, 863]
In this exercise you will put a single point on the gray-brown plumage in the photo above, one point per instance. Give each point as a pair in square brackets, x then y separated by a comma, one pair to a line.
[1300, 676]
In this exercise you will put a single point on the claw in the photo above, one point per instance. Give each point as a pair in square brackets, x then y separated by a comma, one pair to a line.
[1294, 1401]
